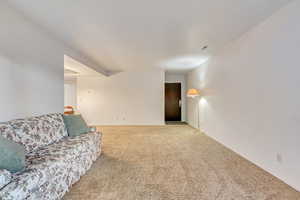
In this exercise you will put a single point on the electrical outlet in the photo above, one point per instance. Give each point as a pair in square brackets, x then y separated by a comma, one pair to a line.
[279, 158]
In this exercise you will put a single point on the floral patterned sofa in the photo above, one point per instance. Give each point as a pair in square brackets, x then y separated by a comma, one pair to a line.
[54, 161]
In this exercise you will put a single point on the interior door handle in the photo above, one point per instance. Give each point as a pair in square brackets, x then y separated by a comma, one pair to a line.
[179, 103]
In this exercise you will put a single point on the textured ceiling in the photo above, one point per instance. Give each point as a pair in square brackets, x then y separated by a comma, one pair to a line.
[125, 35]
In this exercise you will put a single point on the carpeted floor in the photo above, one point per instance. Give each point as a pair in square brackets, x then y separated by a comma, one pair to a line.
[170, 163]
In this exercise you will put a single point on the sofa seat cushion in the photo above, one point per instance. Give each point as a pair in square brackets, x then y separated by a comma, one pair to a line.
[29, 180]
[5, 177]
[35, 132]
[66, 149]
[50, 163]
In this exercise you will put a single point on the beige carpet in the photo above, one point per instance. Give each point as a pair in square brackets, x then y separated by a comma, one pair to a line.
[173, 162]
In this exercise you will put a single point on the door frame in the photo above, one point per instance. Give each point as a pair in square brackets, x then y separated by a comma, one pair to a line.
[183, 107]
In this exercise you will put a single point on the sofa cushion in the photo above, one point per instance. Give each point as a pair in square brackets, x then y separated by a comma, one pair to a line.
[75, 125]
[29, 180]
[12, 155]
[65, 149]
[35, 132]
[5, 177]
[59, 164]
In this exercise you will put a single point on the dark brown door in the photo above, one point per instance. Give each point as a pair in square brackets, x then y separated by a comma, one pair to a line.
[173, 101]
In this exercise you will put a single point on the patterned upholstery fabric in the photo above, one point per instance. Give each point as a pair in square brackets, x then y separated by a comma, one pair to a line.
[52, 169]
[35, 132]
[93, 128]
[5, 177]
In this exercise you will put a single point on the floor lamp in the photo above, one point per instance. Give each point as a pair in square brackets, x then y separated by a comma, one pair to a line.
[194, 93]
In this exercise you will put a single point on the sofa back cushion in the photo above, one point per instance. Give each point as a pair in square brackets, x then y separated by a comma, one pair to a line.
[35, 132]
[75, 125]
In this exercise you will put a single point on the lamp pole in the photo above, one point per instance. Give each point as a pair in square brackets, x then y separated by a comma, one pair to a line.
[194, 93]
[198, 118]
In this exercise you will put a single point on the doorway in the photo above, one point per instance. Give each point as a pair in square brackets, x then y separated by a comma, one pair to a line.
[172, 102]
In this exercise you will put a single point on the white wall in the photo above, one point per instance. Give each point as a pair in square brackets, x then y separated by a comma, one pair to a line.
[252, 101]
[31, 68]
[127, 98]
[70, 93]
[179, 78]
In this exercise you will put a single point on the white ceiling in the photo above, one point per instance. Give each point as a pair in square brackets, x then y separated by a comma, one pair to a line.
[125, 35]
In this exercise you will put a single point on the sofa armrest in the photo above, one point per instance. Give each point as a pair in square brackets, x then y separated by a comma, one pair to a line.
[5, 178]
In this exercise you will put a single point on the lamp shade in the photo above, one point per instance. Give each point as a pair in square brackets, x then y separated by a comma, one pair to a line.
[193, 93]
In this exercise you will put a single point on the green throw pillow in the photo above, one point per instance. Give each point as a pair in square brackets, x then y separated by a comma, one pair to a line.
[12, 155]
[75, 125]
